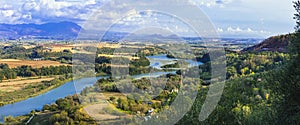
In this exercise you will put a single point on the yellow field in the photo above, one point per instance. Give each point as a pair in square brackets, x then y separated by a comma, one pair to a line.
[18, 84]
[29, 46]
[13, 63]
[61, 48]
[95, 111]
[108, 45]
[124, 56]
[58, 47]
[73, 47]
[103, 110]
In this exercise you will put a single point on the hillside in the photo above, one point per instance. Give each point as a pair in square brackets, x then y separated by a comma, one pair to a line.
[61, 30]
[274, 43]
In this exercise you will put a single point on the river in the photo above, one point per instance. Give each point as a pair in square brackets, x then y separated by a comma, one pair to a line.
[75, 87]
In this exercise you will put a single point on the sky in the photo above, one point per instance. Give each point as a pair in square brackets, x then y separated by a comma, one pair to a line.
[231, 18]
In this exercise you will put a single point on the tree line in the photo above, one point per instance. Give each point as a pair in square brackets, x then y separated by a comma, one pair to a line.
[28, 71]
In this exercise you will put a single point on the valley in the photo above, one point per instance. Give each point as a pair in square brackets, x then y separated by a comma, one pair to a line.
[147, 62]
[117, 101]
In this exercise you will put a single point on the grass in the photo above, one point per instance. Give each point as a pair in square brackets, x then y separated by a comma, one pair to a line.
[101, 110]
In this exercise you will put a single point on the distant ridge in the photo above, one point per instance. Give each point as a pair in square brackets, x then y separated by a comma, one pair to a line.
[60, 30]
[65, 31]
[274, 43]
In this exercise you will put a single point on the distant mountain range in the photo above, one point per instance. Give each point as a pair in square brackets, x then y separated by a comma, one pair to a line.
[64, 31]
[61, 30]
[69, 30]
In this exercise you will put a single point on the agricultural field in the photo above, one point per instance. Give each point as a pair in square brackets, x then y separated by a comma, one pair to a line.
[58, 47]
[108, 45]
[101, 110]
[117, 56]
[13, 63]
[18, 84]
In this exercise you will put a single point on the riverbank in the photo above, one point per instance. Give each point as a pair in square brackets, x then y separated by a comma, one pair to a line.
[31, 91]
[50, 95]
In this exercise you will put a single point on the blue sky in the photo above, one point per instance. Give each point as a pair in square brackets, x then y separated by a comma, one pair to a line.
[232, 18]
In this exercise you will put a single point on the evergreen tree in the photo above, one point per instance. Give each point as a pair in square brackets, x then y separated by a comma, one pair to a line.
[286, 81]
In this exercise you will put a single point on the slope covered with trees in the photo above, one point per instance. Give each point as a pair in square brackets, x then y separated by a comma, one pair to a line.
[275, 43]
[271, 97]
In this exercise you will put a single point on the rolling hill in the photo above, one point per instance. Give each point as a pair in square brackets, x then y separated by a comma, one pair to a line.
[274, 43]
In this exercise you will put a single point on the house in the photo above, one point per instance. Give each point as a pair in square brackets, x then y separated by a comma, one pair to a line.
[175, 90]
[150, 111]
[37, 59]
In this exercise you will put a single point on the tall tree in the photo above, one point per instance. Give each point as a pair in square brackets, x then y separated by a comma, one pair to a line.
[286, 81]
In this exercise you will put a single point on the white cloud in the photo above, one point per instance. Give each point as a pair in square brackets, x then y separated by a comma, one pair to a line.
[212, 3]
[239, 14]
[220, 30]
[40, 11]
[7, 13]
[241, 32]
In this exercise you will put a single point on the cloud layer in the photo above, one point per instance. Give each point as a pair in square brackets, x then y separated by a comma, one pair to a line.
[41, 11]
[244, 18]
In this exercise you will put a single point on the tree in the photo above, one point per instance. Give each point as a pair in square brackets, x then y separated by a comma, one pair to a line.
[9, 119]
[296, 43]
[286, 81]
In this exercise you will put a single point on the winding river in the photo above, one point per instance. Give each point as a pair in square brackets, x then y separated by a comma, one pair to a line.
[75, 87]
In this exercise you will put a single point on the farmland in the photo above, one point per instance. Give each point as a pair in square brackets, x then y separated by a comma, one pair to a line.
[15, 91]
[117, 55]
[13, 63]
[103, 111]
[18, 84]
